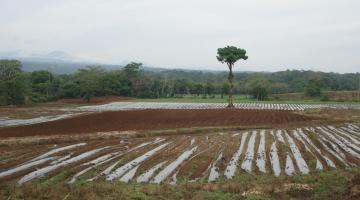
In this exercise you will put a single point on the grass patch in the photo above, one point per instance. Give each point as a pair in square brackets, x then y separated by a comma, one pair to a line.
[336, 184]
[56, 179]
[215, 195]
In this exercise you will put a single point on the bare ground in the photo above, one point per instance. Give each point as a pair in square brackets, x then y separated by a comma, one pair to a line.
[155, 119]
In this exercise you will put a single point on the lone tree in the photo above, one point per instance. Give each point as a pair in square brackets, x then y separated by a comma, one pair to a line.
[230, 55]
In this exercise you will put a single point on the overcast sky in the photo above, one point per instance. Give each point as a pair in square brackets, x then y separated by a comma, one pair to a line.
[277, 34]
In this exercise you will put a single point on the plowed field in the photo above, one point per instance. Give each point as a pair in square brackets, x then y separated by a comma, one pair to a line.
[154, 119]
[187, 158]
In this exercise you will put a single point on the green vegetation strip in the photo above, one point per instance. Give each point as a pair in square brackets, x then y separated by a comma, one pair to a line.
[336, 184]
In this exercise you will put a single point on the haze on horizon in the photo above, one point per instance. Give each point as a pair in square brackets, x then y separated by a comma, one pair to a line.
[277, 34]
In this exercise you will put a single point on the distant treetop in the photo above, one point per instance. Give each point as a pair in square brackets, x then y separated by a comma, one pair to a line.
[231, 54]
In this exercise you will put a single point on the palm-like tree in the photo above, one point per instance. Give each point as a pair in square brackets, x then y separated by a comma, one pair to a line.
[230, 55]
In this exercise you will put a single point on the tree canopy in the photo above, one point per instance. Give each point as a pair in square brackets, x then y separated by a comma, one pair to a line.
[11, 82]
[133, 80]
[230, 55]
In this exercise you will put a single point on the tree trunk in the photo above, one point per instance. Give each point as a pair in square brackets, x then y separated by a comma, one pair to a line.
[230, 78]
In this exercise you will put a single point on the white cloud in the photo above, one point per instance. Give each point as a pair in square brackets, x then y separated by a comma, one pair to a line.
[278, 34]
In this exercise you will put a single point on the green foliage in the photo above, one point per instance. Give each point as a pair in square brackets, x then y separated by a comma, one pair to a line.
[134, 80]
[12, 87]
[133, 70]
[259, 88]
[88, 81]
[224, 89]
[216, 195]
[313, 88]
[197, 89]
[181, 87]
[324, 97]
[278, 88]
[257, 197]
[138, 82]
[44, 86]
[209, 88]
[114, 83]
[330, 184]
[230, 55]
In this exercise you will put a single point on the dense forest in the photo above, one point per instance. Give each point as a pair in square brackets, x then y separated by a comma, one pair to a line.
[133, 80]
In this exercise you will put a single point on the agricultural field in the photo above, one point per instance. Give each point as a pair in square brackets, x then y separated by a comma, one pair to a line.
[179, 100]
[190, 150]
[12, 117]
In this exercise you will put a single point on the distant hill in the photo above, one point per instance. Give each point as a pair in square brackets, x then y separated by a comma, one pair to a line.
[60, 62]
[287, 81]
[57, 61]
[57, 66]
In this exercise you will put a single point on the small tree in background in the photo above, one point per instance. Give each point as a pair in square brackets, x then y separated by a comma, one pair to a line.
[224, 89]
[230, 55]
[259, 88]
[88, 81]
[313, 88]
[12, 89]
[44, 86]
[133, 72]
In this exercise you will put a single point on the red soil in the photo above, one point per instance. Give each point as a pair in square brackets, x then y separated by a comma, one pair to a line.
[153, 119]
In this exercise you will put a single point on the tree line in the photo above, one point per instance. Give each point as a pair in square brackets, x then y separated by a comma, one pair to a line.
[134, 80]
